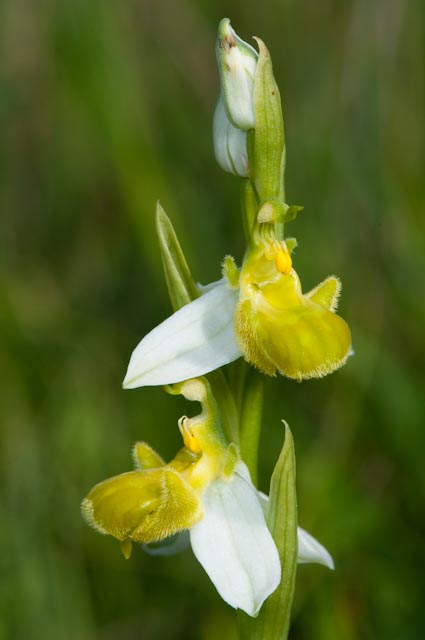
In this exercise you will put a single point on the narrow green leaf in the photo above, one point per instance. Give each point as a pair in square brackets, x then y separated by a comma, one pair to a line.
[274, 618]
[268, 160]
[180, 283]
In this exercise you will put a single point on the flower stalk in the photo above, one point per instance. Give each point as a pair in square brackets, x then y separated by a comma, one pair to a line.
[250, 420]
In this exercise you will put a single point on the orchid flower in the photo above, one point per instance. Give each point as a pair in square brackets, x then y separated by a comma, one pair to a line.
[260, 314]
[207, 490]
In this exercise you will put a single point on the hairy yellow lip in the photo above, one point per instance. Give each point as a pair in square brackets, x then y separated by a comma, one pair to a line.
[281, 329]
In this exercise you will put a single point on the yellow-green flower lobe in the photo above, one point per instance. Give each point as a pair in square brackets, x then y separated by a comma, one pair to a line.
[280, 329]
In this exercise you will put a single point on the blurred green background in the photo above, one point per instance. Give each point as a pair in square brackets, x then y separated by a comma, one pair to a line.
[107, 106]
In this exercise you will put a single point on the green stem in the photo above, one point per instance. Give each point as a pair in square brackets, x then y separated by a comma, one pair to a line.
[226, 404]
[236, 376]
[250, 421]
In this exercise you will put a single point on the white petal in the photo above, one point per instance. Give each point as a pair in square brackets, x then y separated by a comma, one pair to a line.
[233, 544]
[309, 550]
[195, 340]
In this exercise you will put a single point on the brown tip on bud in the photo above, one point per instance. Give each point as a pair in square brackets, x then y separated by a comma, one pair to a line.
[262, 47]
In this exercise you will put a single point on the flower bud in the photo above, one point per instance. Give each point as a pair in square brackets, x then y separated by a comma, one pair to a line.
[230, 143]
[237, 61]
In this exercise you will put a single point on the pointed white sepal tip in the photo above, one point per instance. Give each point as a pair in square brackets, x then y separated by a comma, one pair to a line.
[310, 550]
[195, 340]
[234, 545]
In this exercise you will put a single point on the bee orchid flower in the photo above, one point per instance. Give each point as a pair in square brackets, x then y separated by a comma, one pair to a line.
[260, 314]
[207, 490]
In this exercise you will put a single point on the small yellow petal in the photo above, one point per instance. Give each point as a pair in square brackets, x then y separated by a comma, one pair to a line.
[145, 457]
[326, 293]
[230, 271]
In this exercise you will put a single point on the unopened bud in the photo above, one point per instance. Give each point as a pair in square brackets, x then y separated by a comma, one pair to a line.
[237, 61]
[230, 143]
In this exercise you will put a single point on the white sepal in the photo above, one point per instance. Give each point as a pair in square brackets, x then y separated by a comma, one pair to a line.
[234, 545]
[310, 550]
[230, 143]
[195, 340]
